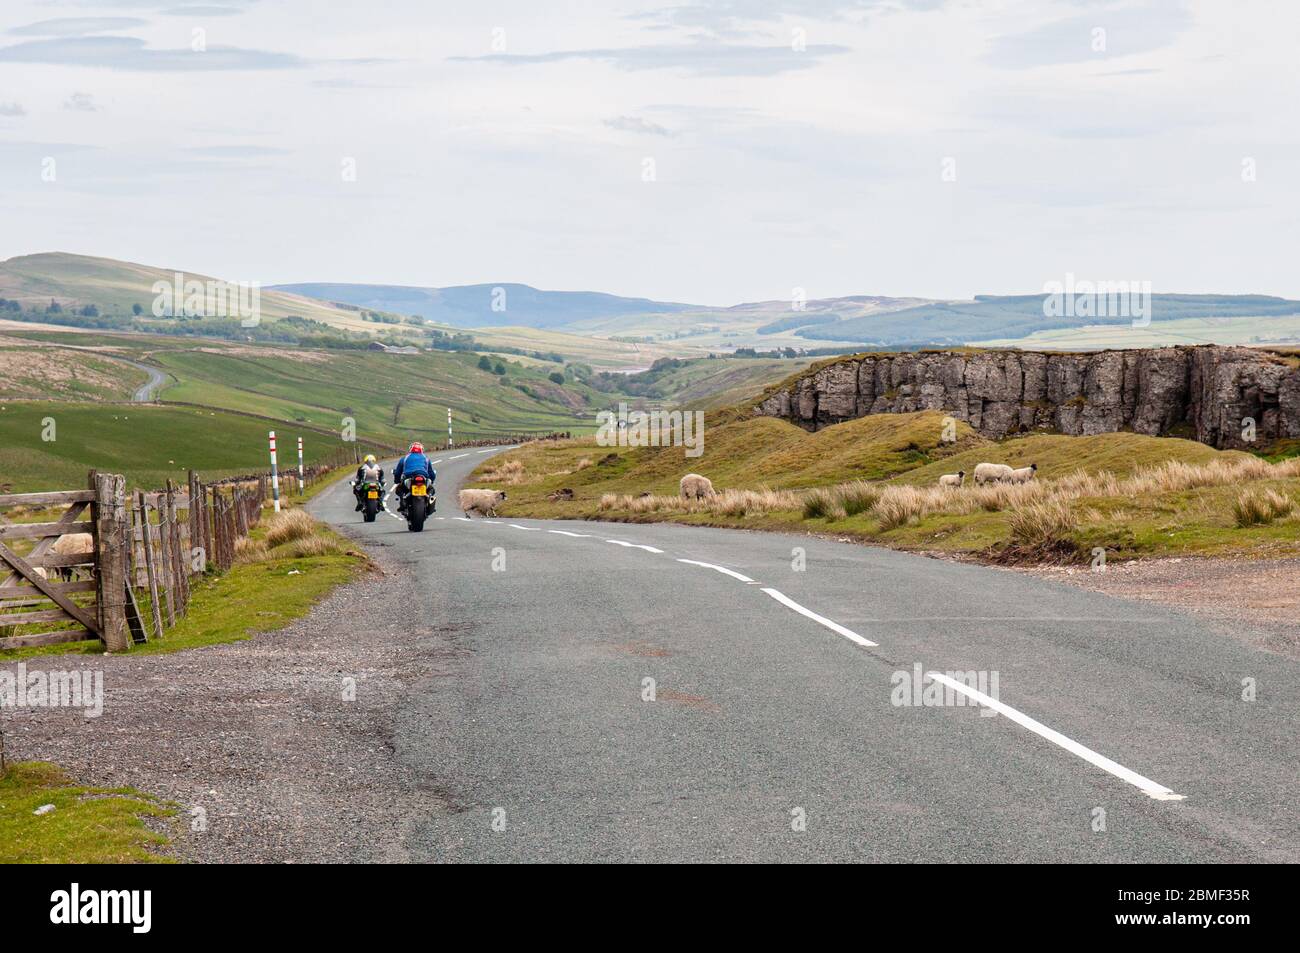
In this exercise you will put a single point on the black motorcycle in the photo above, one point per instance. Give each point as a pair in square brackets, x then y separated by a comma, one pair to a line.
[370, 494]
[419, 502]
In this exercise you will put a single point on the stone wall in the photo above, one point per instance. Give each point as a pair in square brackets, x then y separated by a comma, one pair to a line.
[1202, 392]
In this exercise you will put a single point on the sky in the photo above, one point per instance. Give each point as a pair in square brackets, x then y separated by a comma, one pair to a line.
[704, 151]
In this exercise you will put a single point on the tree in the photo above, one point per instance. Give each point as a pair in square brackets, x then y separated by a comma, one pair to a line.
[137, 310]
[556, 377]
[499, 369]
[54, 308]
[90, 311]
[484, 364]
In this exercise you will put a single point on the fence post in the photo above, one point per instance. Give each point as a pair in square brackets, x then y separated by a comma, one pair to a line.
[165, 560]
[180, 580]
[110, 518]
[147, 535]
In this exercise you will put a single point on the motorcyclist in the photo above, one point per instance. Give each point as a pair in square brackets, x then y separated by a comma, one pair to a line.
[415, 463]
[367, 471]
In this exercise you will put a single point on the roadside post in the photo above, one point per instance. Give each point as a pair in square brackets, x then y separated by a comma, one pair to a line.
[275, 475]
[449, 442]
[300, 469]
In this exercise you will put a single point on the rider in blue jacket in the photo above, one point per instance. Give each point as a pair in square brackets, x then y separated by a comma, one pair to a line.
[415, 463]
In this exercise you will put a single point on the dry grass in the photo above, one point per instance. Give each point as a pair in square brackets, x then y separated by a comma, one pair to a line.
[724, 503]
[1043, 525]
[510, 472]
[287, 526]
[1261, 507]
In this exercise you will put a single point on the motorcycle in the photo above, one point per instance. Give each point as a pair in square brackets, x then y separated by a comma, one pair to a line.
[370, 493]
[420, 502]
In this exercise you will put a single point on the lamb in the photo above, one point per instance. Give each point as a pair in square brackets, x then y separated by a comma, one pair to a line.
[992, 473]
[952, 479]
[1023, 475]
[696, 487]
[73, 544]
[482, 502]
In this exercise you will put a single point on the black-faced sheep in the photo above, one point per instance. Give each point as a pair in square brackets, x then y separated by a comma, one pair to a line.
[696, 487]
[482, 502]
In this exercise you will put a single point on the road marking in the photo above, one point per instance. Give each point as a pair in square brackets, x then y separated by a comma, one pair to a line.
[439, 460]
[488, 450]
[722, 569]
[531, 529]
[458, 456]
[822, 620]
[648, 549]
[564, 532]
[464, 519]
[1145, 785]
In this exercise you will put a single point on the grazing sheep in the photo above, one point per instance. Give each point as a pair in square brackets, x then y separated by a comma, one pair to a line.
[73, 544]
[992, 473]
[952, 479]
[482, 502]
[696, 487]
[1023, 475]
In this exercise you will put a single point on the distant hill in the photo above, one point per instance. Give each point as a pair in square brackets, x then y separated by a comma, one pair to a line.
[487, 305]
[1010, 317]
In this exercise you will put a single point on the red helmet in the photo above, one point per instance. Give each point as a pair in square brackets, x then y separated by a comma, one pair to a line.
[417, 447]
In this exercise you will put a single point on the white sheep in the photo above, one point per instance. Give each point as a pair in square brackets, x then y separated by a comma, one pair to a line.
[992, 473]
[1023, 475]
[696, 487]
[73, 544]
[952, 479]
[483, 502]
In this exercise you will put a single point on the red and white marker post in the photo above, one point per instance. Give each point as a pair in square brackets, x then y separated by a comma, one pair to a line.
[300, 469]
[275, 475]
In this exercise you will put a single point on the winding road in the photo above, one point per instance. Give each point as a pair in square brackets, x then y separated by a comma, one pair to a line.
[660, 692]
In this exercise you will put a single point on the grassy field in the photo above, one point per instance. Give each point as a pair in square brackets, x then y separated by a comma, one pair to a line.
[33, 372]
[87, 825]
[874, 479]
[1234, 330]
[146, 443]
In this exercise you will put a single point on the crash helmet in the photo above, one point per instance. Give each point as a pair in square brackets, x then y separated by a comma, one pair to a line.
[370, 458]
[417, 447]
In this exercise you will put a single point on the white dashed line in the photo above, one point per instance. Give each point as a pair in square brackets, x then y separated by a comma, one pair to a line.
[531, 529]
[488, 450]
[648, 549]
[565, 532]
[458, 456]
[1145, 785]
[821, 620]
[722, 569]
[439, 460]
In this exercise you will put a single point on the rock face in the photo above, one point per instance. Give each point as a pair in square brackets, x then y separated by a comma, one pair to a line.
[1207, 392]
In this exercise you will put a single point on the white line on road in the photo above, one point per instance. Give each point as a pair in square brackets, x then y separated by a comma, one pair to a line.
[458, 456]
[1145, 785]
[488, 450]
[648, 549]
[822, 620]
[439, 460]
[722, 569]
[564, 532]
[531, 529]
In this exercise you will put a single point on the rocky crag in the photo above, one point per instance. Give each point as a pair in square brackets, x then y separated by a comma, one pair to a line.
[1207, 392]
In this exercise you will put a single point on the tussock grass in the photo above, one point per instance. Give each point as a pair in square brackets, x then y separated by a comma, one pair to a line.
[1261, 507]
[1043, 525]
[508, 471]
[286, 526]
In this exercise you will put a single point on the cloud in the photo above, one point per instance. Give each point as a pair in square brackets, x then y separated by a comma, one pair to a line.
[81, 102]
[638, 125]
[1102, 34]
[735, 17]
[130, 53]
[12, 109]
[78, 26]
[704, 59]
[237, 152]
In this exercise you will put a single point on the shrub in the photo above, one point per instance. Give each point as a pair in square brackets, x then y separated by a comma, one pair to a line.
[1043, 526]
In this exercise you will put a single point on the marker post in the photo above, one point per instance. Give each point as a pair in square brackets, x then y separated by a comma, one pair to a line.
[275, 475]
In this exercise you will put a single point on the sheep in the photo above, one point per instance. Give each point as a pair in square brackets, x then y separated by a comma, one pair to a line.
[992, 473]
[558, 495]
[73, 544]
[952, 479]
[1023, 475]
[696, 487]
[482, 502]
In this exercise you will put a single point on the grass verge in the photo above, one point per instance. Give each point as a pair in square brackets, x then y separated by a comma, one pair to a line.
[86, 826]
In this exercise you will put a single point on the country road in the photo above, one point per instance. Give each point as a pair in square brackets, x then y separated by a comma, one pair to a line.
[147, 390]
[665, 693]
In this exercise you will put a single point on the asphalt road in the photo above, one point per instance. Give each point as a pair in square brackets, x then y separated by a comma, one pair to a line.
[772, 730]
